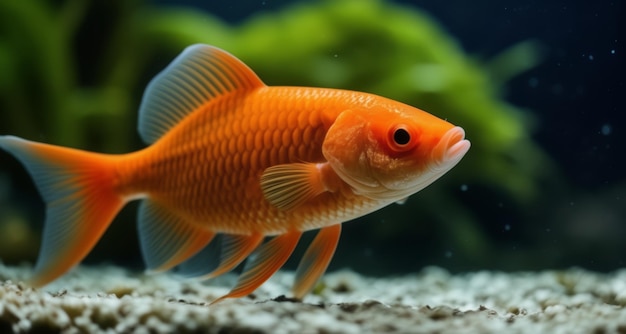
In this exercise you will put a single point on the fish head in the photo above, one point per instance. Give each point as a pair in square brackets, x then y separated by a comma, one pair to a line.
[391, 151]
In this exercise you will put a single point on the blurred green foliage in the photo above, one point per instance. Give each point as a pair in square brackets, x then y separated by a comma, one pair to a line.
[73, 73]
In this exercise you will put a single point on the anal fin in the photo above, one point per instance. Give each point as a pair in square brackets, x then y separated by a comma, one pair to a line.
[166, 239]
[234, 249]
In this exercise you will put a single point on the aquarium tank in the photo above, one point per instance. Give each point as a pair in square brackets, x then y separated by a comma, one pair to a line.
[538, 90]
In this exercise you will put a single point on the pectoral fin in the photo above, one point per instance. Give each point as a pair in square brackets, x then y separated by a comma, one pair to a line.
[288, 186]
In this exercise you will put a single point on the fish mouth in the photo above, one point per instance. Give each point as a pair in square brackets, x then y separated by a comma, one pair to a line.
[451, 148]
[446, 154]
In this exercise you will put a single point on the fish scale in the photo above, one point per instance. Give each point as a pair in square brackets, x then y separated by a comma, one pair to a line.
[219, 172]
[230, 156]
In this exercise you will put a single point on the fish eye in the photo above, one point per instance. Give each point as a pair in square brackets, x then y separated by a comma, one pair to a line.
[401, 138]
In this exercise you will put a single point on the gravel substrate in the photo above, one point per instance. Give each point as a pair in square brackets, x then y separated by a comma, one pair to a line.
[111, 299]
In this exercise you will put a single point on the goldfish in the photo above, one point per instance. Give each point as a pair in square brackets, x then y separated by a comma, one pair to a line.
[234, 170]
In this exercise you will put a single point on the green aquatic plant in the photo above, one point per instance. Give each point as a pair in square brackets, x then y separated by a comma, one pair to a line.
[43, 93]
[365, 45]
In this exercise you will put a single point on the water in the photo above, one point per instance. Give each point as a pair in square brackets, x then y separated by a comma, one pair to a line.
[557, 200]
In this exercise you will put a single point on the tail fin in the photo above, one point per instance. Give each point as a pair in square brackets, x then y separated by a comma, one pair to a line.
[78, 189]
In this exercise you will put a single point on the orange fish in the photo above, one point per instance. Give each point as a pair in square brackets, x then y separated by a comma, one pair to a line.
[230, 156]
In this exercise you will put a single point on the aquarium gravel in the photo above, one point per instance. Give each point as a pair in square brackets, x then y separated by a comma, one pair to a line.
[111, 299]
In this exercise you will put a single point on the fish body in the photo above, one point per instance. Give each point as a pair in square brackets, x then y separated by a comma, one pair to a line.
[224, 155]
[230, 156]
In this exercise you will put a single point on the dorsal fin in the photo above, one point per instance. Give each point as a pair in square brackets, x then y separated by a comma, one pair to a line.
[199, 74]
